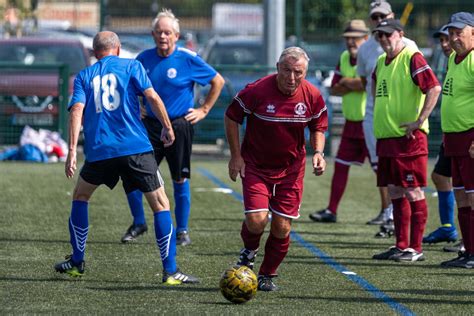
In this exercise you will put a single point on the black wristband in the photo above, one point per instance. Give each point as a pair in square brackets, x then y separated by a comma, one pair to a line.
[318, 152]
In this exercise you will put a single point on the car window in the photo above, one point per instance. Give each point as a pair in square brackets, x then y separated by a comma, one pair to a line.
[223, 55]
[137, 42]
[325, 54]
[31, 54]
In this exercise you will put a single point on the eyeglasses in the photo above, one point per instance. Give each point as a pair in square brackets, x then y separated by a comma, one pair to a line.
[377, 17]
[382, 34]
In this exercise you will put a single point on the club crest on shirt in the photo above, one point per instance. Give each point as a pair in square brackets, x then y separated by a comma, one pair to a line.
[171, 73]
[300, 108]
[270, 108]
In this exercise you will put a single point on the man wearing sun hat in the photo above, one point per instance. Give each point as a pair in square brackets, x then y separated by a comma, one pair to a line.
[366, 59]
[457, 123]
[405, 91]
[352, 149]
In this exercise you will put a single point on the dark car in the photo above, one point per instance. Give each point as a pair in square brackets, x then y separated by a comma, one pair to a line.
[28, 94]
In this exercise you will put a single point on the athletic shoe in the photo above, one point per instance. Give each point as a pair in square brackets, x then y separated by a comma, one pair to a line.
[461, 256]
[133, 232]
[265, 283]
[178, 278]
[69, 267]
[323, 216]
[182, 238]
[387, 230]
[464, 260]
[391, 254]
[459, 247]
[378, 220]
[448, 234]
[410, 255]
[247, 257]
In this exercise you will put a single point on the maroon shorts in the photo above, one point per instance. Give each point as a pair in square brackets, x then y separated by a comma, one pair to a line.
[280, 196]
[406, 172]
[352, 151]
[462, 171]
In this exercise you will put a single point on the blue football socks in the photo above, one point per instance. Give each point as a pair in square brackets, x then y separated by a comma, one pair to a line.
[166, 239]
[446, 207]
[182, 200]
[135, 202]
[78, 229]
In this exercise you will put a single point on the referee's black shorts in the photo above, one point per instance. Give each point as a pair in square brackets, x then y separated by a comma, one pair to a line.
[177, 155]
[139, 171]
[443, 163]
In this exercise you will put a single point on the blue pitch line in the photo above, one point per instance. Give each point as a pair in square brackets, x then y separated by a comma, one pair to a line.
[363, 283]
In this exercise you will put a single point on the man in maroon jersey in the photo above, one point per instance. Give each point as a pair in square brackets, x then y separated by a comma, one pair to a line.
[405, 91]
[271, 160]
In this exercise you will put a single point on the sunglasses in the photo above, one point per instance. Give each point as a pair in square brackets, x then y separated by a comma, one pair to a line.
[382, 34]
[376, 17]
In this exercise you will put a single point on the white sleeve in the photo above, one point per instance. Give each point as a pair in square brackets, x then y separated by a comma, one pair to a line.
[361, 64]
[409, 43]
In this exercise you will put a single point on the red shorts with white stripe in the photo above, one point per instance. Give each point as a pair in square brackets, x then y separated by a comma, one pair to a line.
[352, 151]
[462, 171]
[404, 172]
[280, 196]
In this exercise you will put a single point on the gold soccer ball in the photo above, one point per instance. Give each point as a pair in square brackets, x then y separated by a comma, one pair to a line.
[238, 284]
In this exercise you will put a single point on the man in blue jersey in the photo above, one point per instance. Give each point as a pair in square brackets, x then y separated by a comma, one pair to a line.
[116, 146]
[173, 72]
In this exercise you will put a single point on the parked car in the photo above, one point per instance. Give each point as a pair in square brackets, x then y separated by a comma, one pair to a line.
[86, 37]
[29, 96]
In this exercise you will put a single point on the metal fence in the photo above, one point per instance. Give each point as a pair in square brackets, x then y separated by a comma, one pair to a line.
[310, 20]
[19, 107]
[314, 24]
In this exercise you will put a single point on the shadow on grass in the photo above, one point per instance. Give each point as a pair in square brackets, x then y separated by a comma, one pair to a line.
[372, 300]
[312, 257]
[58, 241]
[65, 278]
[338, 224]
[220, 303]
[172, 288]
[219, 254]
[453, 274]
[347, 244]
[369, 263]
[319, 233]
[22, 280]
[217, 219]
[219, 230]
[434, 292]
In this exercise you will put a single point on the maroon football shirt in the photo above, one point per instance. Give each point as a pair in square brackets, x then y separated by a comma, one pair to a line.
[274, 140]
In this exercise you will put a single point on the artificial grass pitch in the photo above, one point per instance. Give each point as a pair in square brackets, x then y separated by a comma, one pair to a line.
[34, 210]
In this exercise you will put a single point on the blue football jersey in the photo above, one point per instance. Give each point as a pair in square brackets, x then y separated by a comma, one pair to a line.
[111, 122]
[173, 77]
